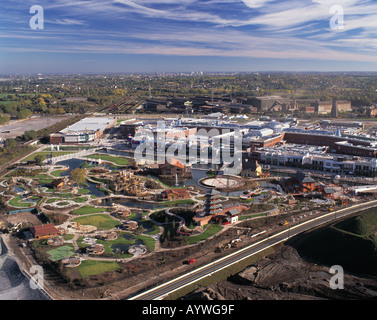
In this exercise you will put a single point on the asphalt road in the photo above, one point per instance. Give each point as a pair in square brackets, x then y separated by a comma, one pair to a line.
[161, 291]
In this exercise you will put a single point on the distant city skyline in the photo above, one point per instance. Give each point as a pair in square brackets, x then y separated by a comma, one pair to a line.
[123, 36]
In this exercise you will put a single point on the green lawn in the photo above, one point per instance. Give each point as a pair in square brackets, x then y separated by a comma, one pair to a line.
[147, 241]
[121, 161]
[45, 154]
[79, 200]
[83, 191]
[62, 203]
[17, 202]
[68, 236]
[89, 268]
[209, 231]
[119, 240]
[88, 209]
[252, 216]
[57, 173]
[101, 221]
[181, 201]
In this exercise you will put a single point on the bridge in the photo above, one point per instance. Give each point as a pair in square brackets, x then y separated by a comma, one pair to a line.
[80, 154]
[364, 189]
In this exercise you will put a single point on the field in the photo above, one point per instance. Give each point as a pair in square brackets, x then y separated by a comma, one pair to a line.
[89, 268]
[61, 252]
[101, 221]
[88, 210]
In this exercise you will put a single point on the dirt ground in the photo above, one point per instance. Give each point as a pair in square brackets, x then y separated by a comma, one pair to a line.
[286, 276]
[27, 218]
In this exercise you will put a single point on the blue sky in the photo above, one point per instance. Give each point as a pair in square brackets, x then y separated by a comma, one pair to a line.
[81, 36]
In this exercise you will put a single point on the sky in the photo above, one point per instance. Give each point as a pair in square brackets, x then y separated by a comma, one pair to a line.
[119, 36]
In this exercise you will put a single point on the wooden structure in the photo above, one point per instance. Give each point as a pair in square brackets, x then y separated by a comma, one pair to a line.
[173, 169]
[175, 194]
[44, 231]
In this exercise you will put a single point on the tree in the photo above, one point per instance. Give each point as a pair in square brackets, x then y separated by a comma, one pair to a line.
[39, 159]
[4, 118]
[30, 135]
[78, 175]
[10, 143]
[24, 113]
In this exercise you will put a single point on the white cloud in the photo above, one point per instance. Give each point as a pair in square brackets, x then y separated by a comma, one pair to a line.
[66, 22]
[256, 3]
[295, 29]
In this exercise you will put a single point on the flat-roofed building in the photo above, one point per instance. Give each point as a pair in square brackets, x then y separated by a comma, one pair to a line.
[267, 103]
[84, 131]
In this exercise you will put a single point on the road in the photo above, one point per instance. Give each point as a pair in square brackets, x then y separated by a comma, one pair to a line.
[159, 292]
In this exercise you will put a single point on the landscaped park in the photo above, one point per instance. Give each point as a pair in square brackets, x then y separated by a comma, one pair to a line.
[109, 213]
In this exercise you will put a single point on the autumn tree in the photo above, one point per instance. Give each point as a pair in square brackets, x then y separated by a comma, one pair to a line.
[78, 176]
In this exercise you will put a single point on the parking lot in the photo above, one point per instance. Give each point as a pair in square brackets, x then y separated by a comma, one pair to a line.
[16, 128]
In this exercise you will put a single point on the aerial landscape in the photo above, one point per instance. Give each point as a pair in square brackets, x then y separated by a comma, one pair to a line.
[212, 151]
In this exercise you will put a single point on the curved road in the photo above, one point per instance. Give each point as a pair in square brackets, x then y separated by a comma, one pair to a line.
[159, 292]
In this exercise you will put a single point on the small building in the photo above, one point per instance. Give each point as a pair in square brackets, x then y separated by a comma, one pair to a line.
[233, 215]
[304, 181]
[55, 242]
[174, 169]
[130, 225]
[298, 183]
[123, 213]
[371, 112]
[110, 236]
[329, 193]
[44, 231]
[251, 168]
[71, 262]
[175, 194]
[58, 183]
[95, 249]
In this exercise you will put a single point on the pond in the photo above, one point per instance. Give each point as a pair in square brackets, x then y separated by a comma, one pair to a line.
[147, 226]
[74, 164]
[18, 189]
[120, 248]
